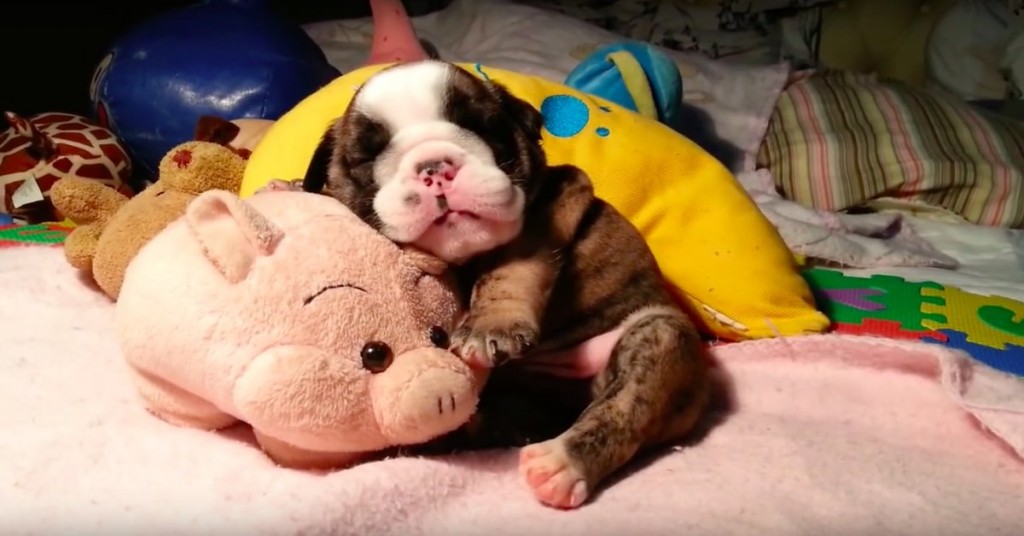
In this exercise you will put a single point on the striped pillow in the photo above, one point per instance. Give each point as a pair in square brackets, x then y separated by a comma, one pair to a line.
[839, 139]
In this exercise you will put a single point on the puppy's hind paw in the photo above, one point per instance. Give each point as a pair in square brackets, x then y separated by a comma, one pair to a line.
[551, 474]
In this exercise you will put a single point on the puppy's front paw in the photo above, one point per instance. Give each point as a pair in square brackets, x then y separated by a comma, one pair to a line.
[281, 185]
[488, 341]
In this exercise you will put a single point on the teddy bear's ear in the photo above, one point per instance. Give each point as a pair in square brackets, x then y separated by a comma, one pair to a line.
[232, 233]
[424, 261]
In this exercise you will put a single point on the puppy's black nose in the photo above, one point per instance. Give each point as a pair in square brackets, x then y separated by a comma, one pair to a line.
[434, 172]
[430, 167]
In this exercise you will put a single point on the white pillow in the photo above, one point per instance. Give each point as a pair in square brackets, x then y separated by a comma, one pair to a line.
[1011, 64]
[964, 49]
[729, 103]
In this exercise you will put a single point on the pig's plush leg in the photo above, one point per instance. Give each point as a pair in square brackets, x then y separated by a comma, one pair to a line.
[287, 455]
[176, 405]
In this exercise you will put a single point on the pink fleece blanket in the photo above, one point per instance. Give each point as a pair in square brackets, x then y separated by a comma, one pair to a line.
[829, 435]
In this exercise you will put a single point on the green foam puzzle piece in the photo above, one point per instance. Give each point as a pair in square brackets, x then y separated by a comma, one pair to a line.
[33, 234]
[900, 300]
[1001, 318]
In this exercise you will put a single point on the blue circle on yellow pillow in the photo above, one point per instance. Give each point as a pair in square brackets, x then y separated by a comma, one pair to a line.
[564, 115]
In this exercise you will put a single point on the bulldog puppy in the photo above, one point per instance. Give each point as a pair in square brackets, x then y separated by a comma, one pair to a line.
[436, 158]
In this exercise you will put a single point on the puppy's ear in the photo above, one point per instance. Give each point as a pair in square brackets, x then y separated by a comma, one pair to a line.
[569, 195]
[520, 111]
[320, 164]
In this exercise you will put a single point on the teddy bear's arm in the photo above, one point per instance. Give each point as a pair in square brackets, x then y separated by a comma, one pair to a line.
[85, 201]
[89, 204]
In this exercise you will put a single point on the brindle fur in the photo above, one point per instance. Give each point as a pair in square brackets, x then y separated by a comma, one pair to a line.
[512, 286]
[578, 269]
[656, 384]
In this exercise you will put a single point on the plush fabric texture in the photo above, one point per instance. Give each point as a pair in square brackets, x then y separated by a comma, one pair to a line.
[830, 435]
[260, 311]
[838, 139]
[110, 228]
[713, 244]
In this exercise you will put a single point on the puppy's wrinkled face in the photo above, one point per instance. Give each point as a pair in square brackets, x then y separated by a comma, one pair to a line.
[436, 157]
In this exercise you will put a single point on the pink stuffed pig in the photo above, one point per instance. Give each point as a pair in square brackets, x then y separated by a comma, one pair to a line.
[286, 312]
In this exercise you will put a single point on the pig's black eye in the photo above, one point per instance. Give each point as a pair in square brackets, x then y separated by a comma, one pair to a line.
[438, 336]
[377, 356]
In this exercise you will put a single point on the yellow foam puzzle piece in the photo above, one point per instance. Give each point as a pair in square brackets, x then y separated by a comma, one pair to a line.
[993, 321]
[713, 244]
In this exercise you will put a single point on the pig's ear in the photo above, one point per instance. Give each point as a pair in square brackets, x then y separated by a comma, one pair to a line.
[232, 233]
[424, 261]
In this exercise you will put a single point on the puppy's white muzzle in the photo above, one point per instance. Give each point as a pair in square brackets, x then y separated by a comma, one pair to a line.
[441, 189]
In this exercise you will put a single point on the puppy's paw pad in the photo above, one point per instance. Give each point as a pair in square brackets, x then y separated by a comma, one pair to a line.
[281, 185]
[490, 342]
[466, 344]
[549, 472]
[510, 342]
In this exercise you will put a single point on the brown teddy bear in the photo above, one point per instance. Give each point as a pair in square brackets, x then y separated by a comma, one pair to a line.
[111, 228]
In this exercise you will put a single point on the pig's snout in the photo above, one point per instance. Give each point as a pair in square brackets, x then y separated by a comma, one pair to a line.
[439, 402]
[436, 398]
[430, 398]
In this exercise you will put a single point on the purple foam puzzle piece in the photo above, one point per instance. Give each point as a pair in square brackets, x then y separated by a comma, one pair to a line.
[855, 297]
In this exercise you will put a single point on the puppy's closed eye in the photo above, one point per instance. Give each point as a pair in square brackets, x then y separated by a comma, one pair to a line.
[372, 140]
[347, 156]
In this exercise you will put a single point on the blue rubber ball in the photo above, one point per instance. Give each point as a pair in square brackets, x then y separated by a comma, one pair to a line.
[228, 58]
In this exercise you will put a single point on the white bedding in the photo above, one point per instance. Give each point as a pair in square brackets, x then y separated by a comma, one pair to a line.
[991, 259]
[726, 105]
[499, 33]
[966, 49]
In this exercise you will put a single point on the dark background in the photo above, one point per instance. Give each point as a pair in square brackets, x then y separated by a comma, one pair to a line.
[49, 48]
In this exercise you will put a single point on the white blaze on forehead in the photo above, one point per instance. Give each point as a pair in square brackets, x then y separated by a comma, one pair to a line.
[483, 207]
[405, 95]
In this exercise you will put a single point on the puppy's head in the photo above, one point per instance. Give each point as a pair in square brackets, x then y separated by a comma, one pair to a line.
[438, 158]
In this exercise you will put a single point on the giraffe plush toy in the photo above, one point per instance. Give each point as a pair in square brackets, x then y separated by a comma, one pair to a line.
[36, 152]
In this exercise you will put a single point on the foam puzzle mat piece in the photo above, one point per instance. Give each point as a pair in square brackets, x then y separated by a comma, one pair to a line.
[42, 234]
[1003, 318]
[889, 329]
[858, 298]
[1009, 359]
[992, 321]
[851, 299]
